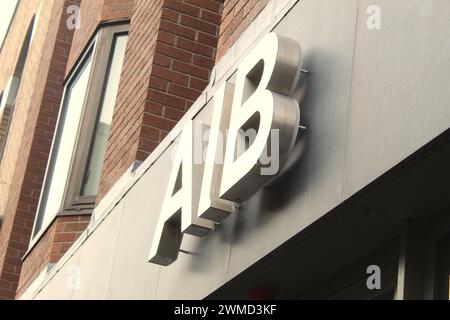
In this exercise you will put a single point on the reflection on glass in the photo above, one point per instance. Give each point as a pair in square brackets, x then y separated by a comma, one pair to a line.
[103, 125]
[63, 147]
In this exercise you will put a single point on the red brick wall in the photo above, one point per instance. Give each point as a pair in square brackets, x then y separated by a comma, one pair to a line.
[122, 146]
[9, 56]
[65, 230]
[236, 17]
[92, 13]
[33, 153]
[36, 261]
[170, 52]
[117, 9]
[68, 230]
[51, 247]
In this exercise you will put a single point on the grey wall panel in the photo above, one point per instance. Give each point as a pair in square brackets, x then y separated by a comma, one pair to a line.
[200, 271]
[326, 30]
[64, 282]
[400, 91]
[97, 256]
[141, 209]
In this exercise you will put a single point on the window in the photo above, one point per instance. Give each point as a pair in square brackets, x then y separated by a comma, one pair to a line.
[11, 90]
[73, 172]
[36, 20]
[6, 109]
[70, 118]
[93, 169]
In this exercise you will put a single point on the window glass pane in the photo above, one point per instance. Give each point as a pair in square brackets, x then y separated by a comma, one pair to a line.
[10, 92]
[36, 20]
[6, 110]
[64, 145]
[100, 138]
[7, 106]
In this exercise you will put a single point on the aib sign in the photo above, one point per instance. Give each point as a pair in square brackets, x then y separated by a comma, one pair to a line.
[254, 126]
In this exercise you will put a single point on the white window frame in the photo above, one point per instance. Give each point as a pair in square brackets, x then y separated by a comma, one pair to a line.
[101, 47]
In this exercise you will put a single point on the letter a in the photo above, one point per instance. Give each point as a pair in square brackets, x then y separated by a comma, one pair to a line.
[179, 208]
[374, 280]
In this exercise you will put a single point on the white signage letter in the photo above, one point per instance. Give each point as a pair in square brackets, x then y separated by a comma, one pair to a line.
[211, 206]
[264, 81]
[179, 209]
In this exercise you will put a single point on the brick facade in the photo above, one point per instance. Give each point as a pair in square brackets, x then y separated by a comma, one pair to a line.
[171, 50]
[8, 61]
[122, 145]
[92, 13]
[172, 47]
[35, 118]
[5, 117]
[237, 16]
[61, 234]
[51, 247]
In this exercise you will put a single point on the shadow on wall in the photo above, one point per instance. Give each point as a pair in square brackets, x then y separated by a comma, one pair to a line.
[292, 181]
[296, 175]
[304, 164]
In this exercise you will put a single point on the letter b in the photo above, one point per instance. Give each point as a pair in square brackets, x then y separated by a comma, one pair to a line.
[261, 103]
